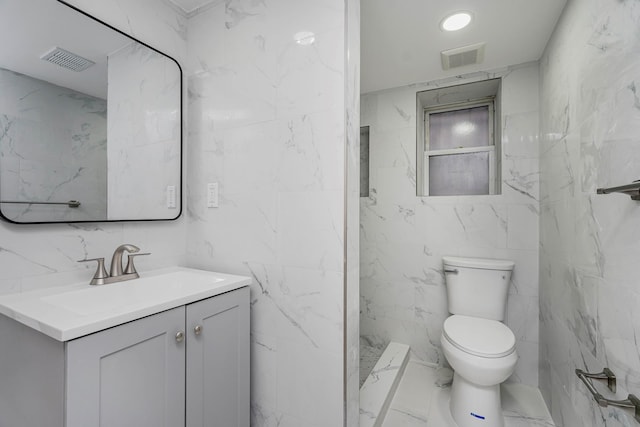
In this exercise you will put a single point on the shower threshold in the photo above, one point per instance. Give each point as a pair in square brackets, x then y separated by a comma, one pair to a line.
[380, 385]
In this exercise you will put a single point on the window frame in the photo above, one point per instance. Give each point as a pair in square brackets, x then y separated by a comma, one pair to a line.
[492, 149]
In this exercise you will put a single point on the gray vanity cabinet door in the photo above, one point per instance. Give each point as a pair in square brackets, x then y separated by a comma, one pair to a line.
[218, 361]
[131, 375]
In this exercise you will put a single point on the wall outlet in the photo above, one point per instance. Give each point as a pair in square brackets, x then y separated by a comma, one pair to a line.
[212, 195]
[171, 196]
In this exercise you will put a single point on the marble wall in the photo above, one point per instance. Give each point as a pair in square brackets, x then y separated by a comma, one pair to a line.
[267, 122]
[589, 244]
[403, 237]
[35, 256]
[52, 149]
[144, 133]
[352, 217]
[273, 122]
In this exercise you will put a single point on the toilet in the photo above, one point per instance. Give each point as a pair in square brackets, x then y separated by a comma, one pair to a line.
[477, 345]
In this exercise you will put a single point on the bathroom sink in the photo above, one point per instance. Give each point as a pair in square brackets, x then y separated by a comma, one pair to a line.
[130, 294]
[70, 312]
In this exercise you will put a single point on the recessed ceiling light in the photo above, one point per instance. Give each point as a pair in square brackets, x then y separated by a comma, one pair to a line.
[455, 22]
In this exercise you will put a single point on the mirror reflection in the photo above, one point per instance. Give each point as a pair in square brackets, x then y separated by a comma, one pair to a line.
[90, 120]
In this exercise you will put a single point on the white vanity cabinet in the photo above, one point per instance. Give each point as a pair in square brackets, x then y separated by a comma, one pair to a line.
[185, 366]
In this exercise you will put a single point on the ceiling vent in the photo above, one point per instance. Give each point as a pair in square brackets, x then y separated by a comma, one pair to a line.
[67, 60]
[461, 56]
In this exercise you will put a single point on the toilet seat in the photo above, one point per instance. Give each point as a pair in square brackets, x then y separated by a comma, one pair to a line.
[479, 337]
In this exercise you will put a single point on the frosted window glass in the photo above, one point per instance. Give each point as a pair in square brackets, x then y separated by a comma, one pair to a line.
[459, 174]
[460, 128]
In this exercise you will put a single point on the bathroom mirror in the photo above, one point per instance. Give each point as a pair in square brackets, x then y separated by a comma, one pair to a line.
[90, 120]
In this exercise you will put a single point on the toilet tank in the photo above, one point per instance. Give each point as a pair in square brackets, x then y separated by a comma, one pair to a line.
[477, 287]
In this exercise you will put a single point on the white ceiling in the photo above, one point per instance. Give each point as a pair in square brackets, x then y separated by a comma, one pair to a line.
[401, 40]
[191, 6]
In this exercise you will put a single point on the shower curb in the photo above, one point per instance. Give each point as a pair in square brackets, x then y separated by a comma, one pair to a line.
[380, 386]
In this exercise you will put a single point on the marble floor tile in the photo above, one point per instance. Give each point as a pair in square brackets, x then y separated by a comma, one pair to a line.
[422, 399]
[379, 389]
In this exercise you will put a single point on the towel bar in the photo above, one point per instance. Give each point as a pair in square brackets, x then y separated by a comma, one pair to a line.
[630, 402]
[632, 190]
[70, 203]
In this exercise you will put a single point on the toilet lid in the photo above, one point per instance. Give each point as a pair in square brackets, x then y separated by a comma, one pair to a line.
[480, 337]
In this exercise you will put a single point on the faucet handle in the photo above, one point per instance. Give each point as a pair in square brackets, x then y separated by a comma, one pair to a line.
[101, 272]
[130, 268]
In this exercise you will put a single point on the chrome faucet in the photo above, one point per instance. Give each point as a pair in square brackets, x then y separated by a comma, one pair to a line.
[116, 260]
[116, 274]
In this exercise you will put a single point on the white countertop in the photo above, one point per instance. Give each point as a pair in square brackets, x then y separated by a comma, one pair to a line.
[69, 312]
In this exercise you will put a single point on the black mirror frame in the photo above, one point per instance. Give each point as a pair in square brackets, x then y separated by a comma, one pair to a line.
[179, 213]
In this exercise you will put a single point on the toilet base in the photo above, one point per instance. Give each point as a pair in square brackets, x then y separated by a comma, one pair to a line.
[475, 406]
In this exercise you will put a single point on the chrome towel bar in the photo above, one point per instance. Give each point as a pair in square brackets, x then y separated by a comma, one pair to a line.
[630, 402]
[632, 190]
[70, 203]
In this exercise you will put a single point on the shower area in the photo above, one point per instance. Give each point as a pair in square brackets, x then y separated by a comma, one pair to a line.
[568, 126]
[403, 237]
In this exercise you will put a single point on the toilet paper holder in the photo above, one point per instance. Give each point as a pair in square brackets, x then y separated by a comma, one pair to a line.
[630, 402]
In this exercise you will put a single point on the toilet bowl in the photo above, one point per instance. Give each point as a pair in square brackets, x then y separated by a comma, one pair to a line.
[482, 354]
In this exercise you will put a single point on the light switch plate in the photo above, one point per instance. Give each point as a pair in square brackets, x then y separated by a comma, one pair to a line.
[171, 196]
[212, 195]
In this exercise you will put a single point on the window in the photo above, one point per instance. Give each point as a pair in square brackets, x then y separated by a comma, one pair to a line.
[458, 150]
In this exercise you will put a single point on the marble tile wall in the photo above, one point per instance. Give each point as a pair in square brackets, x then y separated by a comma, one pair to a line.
[52, 149]
[589, 244]
[352, 192]
[144, 133]
[35, 256]
[403, 237]
[274, 123]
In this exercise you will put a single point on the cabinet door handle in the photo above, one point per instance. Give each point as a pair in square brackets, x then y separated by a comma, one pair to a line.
[197, 330]
[180, 336]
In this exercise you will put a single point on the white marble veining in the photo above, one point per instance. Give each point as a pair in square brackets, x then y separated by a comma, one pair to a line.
[380, 386]
[52, 149]
[403, 237]
[352, 210]
[72, 311]
[143, 144]
[369, 356]
[422, 400]
[274, 123]
[589, 244]
[40, 256]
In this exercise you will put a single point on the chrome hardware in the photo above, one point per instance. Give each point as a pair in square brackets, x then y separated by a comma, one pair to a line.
[630, 402]
[116, 260]
[606, 374]
[101, 273]
[130, 268]
[180, 336]
[451, 271]
[632, 190]
[116, 274]
[197, 330]
[70, 203]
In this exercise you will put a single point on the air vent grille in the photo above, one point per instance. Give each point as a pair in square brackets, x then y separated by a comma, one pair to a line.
[67, 60]
[461, 56]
